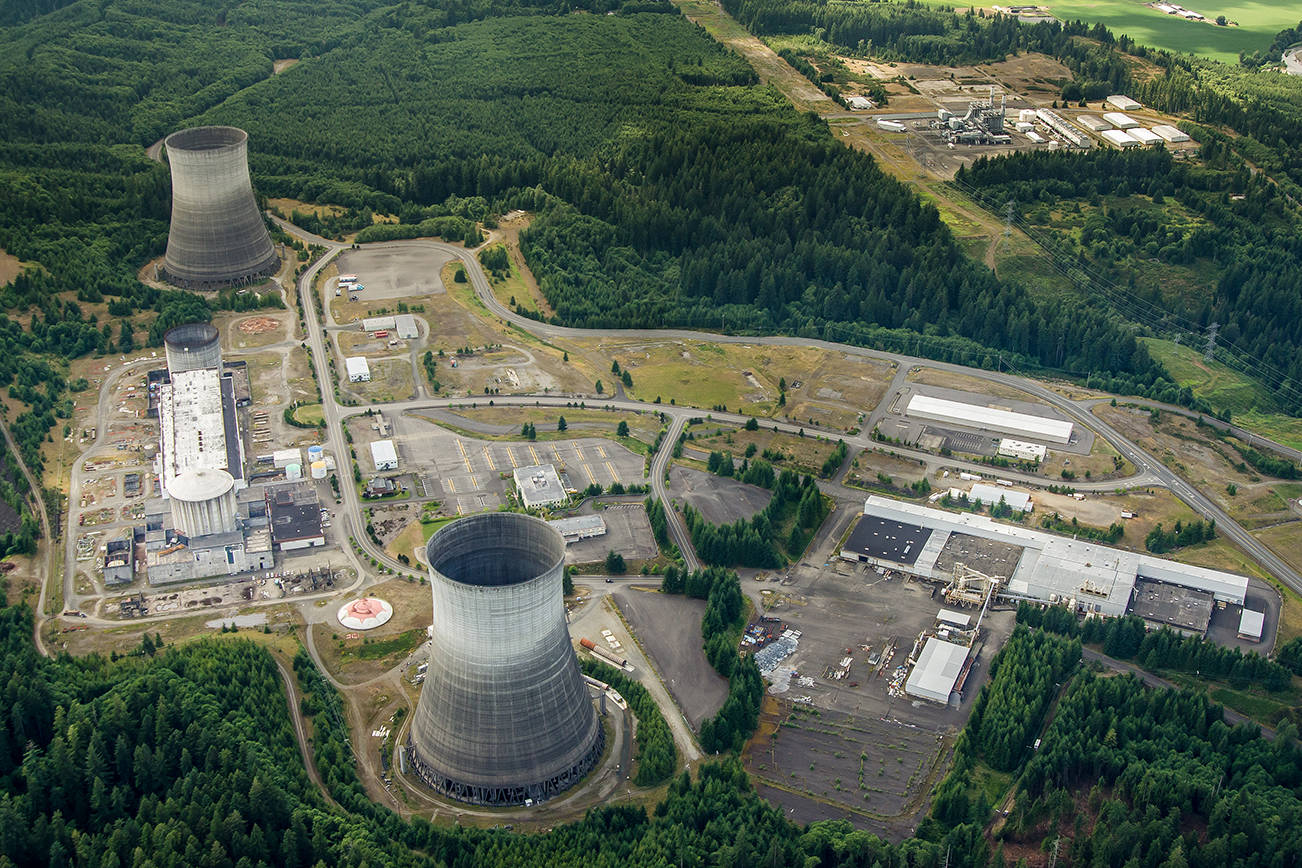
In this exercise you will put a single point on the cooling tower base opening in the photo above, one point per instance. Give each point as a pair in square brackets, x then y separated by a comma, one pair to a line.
[506, 796]
[267, 270]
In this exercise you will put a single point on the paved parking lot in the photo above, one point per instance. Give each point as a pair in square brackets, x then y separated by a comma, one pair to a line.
[395, 271]
[472, 475]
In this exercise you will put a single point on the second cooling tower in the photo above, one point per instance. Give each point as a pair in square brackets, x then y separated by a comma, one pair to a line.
[217, 237]
[504, 716]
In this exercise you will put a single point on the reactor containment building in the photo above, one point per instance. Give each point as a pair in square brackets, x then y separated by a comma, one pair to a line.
[217, 237]
[504, 717]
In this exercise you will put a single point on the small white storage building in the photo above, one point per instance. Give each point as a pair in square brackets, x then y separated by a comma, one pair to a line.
[379, 323]
[937, 669]
[359, 371]
[990, 495]
[1170, 133]
[1146, 137]
[1120, 139]
[1010, 448]
[1120, 121]
[1123, 103]
[384, 455]
[1093, 122]
[1251, 625]
[405, 325]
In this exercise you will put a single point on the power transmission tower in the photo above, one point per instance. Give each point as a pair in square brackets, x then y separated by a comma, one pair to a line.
[1211, 342]
[1010, 211]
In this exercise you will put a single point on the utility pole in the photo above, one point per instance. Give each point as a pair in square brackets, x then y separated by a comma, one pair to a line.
[1211, 342]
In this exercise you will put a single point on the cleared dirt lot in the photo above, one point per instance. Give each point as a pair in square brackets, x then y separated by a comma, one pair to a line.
[669, 628]
[718, 499]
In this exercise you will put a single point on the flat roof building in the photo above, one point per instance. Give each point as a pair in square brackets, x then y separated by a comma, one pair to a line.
[579, 527]
[359, 370]
[404, 324]
[1145, 137]
[937, 670]
[1123, 103]
[1010, 448]
[1182, 609]
[539, 485]
[990, 495]
[989, 419]
[1251, 625]
[295, 517]
[1093, 122]
[198, 426]
[1051, 568]
[379, 323]
[384, 455]
[1170, 133]
[1120, 138]
[1120, 121]
[875, 539]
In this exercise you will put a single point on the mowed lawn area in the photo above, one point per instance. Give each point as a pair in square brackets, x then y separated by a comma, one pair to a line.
[1258, 23]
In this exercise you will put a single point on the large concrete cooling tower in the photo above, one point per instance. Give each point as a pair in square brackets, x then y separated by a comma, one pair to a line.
[194, 346]
[504, 716]
[217, 237]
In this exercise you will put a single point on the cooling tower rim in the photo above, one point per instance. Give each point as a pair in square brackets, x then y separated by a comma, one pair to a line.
[196, 486]
[190, 335]
[483, 524]
[204, 139]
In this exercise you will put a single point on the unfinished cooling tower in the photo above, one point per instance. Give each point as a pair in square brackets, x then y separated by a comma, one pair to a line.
[504, 716]
[194, 346]
[217, 237]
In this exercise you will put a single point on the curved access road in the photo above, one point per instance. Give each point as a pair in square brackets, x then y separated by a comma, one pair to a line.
[300, 732]
[1144, 463]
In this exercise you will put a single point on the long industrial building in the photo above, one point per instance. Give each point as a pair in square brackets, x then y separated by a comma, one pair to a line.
[199, 428]
[1044, 568]
[504, 717]
[989, 419]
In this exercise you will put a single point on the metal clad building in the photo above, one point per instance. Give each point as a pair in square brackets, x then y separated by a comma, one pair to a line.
[504, 717]
[937, 669]
[217, 237]
[359, 370]
[384, 455]
[989, 419]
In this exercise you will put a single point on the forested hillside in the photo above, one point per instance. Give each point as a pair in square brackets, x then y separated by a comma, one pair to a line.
[185, 757]
[670, 188]
[1236, 256]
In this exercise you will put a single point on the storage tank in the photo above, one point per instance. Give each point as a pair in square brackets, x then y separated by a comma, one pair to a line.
[217, 237]
[318, 470]
[194, 346]
[293, 471]
[315, 453]
[202, 502]
[504, 716]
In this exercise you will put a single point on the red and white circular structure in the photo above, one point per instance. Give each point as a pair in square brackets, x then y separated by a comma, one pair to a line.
[366, 613]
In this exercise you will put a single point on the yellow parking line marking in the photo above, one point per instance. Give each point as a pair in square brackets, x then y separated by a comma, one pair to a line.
[488, 459]
[452, 485]
[614, 477]
[474, 483]
[601, 450]
[511, 455]
[588, 470]
[534, 453]
[459, 512]
[470, 468]
[578, 451]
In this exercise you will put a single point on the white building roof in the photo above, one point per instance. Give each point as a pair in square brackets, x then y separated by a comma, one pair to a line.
[1145, 137]
[991, 494]
[1120, 138]
[989, 418]
[1093, 122]
[1170, 133]
[539, 485]
[949, 616]
[1120, 121]
[378, 323]
[358, 368]
[285, 457]
[580, 526]
[405, 325]
[201, 484]
[1123, 102]
[937, 669]
[193, 432]
[384, 454]
[1054, 568]
[1252, 624]
[1022, 449]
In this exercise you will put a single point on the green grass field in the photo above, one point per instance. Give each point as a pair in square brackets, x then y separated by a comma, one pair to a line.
[1222, 387]
[1258, 24]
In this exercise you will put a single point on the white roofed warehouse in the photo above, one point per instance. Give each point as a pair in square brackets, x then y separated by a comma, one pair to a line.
[937, 671]
[359, 371]
[384, 455]
[989, 419]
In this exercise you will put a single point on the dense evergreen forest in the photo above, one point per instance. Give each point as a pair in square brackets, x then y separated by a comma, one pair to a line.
[184, 756]
[1241, 227]
[669, 187]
